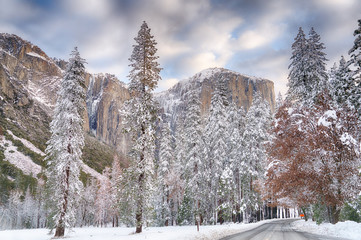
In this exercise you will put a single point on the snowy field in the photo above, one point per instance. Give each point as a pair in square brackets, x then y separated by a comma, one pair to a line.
[121, 233]
[348, 229]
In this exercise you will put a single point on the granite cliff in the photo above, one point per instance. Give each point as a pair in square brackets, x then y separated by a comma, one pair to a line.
[241, 89]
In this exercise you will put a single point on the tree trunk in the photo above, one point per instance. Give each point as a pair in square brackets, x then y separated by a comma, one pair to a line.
[59, 232]
[60, 229]
[335, 214]
[304, 213]
[139, 212]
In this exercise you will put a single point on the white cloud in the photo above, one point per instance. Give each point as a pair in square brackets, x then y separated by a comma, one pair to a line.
[167, 83]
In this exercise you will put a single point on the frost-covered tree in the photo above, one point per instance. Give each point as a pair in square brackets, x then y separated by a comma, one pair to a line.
[103, 200]
[307, 77]
[236, 127]
[314, 157]
[114, 183]
[140, 114]
[316, 64]
[166, 160]
[86, 210]
[255, 136]
[216, 141]
[355, 54]
[279, 101]
[229, 192]
[194, 169]
[341, 83]
[297, 79]
[64, 148]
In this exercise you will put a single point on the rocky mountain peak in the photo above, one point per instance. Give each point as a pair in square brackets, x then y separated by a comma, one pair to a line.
[241, 90]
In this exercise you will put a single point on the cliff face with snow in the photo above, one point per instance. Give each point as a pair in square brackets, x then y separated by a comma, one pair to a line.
[241, 89]
[29, 81]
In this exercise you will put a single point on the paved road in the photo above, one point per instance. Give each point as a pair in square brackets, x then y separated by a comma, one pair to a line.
[276, 230]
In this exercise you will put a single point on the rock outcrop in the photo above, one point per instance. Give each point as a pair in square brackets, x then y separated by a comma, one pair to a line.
[241, 89]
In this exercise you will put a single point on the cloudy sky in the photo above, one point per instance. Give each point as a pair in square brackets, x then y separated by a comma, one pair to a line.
[248, 36]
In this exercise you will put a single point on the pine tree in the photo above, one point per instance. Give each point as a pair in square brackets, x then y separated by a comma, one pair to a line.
[215, 137]
[355, 54]
[316, 64]
[114, 183]
[279, 101]
[166, 160]
[140, 116]
[237, 155]
[341, 83]
[193, 158]
[256, 135]
[297, 78]
[64, 148]
[307, 77]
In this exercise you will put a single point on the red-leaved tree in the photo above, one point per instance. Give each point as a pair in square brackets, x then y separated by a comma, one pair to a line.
[314, 157]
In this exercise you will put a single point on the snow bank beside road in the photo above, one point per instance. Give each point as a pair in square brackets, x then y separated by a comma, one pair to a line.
[348, 229]
[122, 233]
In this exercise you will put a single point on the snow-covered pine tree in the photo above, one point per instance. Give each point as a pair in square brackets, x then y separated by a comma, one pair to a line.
[355, 54]
[230, 177]
[316, 64]
[297, 78]
[307, 77]
[64, 148]
[193, 141]
[184, 214]
[255, 136]
[166, 160]
[215, 137]
[140, 115]
[341, 83]
[114, 184]
[279, 101]
[237, 156]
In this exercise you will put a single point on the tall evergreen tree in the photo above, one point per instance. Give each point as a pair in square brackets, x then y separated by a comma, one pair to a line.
[256, 135]
[307, 77]
[193, 148]
[166, 159]
[140, 116]
[341, 83]
[64, 148]
[215, 137]
[316, 68]
[355, 54]
[297, 78]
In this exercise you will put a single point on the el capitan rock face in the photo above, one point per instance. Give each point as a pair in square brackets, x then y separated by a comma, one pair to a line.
[241, 89]
[29, 81]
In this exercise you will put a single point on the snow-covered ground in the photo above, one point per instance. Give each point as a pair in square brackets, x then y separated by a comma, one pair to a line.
[27, 144]
[348, 229]
[18, 159]
[122, 233]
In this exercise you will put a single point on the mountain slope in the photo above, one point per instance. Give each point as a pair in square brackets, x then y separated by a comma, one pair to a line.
[29, 81]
